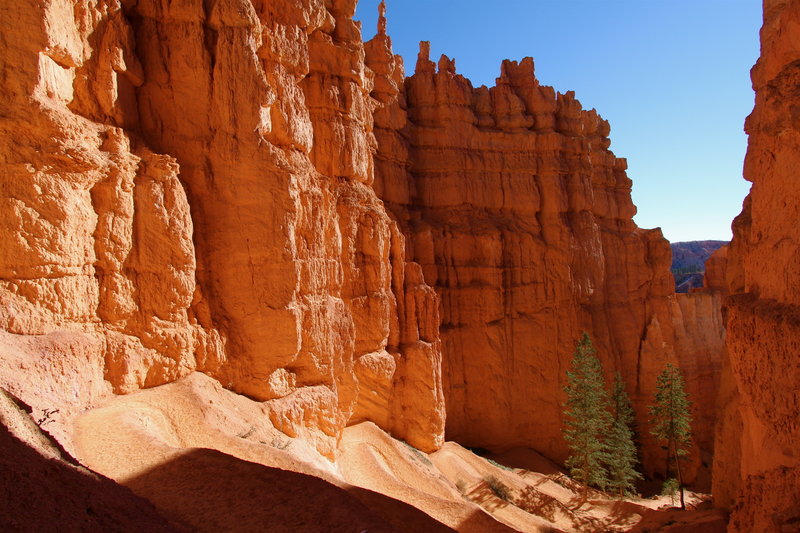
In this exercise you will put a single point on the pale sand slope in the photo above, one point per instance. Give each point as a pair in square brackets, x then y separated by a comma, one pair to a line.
[210, 460]
[42, 488]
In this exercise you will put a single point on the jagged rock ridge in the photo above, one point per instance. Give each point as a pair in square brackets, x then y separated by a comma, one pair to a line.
[245, 189]
[756, 469]
[521, 218]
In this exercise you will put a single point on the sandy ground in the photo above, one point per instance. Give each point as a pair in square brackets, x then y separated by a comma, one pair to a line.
[43, 489]
[209, 460]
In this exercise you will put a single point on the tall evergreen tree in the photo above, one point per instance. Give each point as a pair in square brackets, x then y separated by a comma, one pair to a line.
[622, 457]
[671, 422]
[587, 417]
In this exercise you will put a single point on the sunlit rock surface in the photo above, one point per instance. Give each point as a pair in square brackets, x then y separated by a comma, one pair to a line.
[246, 190]
[187, 186]
[521, 218]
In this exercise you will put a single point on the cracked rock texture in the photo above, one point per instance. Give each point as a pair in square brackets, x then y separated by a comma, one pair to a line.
[246, 189]
[187, 186]
[757, 468]
[521, 219]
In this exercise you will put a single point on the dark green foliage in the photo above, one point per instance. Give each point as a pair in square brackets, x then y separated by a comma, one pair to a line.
[691, 269]
[498, 465]
[621, 462]
[669, 488]
[587, 417]
[417, 454]
[671, 422]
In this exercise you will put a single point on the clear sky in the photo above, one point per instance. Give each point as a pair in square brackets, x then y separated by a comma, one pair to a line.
[671, 76]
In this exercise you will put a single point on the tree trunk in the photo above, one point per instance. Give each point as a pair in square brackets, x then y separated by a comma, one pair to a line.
[680, 478]
[669, 458]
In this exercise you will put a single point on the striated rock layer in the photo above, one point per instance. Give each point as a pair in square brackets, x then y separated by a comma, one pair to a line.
[521, 218]
[245, 189]
[187, 186]
[757, 469]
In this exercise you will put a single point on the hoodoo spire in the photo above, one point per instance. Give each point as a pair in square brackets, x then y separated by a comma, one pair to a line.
[382, 18]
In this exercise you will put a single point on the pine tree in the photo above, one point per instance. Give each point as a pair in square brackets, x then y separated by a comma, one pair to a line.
[671, 422]
[622, 450]
[587, 417]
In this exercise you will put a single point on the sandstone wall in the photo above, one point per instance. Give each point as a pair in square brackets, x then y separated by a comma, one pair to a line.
[187, 185]
[715, 272]
[699, 344]
[521, 218]
[244, 188]
[757, 470]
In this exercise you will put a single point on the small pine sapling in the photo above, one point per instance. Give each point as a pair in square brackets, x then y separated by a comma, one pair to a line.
[587, 417]
[622, 457]
[671, 421]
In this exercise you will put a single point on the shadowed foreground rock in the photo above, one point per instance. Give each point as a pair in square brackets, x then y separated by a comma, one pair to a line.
[206, 490]
[757, 468]
[42, 489]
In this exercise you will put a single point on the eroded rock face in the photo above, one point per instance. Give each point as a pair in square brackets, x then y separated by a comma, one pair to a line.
[756, 471]
[188, 186]
[96, 230]
[244, 188]
[521, 218]
[715, 271]
[699, 343]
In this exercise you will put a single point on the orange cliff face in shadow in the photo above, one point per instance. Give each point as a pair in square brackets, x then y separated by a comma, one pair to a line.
[521, 218]
[757, 469]
[42, 488]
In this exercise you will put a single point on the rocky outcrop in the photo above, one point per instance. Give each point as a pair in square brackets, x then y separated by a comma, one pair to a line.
[521, 218]
[715, 271]
[299, 258]
[756, 469]
[96, 233]
[247, 190]
[42, 488]
[188, 186]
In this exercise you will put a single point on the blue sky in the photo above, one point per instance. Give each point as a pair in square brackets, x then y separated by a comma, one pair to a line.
[671, 76]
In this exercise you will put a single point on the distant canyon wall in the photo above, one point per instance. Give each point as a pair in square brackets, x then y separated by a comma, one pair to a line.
[244, 188]
[757, 466]
[521, 218]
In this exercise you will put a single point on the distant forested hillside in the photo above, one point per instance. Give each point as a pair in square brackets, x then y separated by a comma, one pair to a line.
[688, 262]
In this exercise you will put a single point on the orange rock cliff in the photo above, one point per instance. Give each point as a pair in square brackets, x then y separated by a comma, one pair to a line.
[224, 223]
[246, 189]
[757, 469]
[521, 218]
